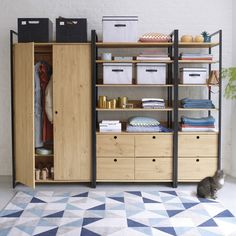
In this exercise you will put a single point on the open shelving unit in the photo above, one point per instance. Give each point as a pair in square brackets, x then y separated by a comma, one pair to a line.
[173, 87]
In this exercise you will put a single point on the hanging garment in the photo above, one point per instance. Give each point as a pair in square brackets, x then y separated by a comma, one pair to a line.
[49, 101]
[44, 75]
[38, 125]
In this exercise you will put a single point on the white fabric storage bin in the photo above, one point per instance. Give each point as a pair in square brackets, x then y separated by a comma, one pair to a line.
[120, 28]
[117, 73]
[193, 75]
[151, 73]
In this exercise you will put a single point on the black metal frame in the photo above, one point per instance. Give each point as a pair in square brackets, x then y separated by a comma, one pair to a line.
[12, 33]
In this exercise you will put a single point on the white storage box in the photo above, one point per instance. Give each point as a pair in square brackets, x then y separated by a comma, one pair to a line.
[151, 73]
[120, 28]
[117, 73]
[193, 75]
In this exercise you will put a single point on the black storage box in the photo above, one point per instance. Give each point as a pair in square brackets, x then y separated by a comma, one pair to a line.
[71, 30]
[34, 30]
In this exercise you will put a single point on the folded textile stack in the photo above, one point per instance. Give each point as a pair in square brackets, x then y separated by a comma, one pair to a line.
[153, 56]
[110, 126]
[196, 56]
[202, 124]
[153, 103]
[197, 103]
[145, 124]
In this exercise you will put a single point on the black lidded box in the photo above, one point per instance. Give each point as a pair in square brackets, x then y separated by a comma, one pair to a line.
[34, 30]
[71, 30]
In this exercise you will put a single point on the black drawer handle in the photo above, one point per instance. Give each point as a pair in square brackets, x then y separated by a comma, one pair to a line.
[115, 160]
[198, 137]
[197, 160]
[151, 70]
[153, 160]
[117, 70]
[120, 25]
[56, 112]
[154, 137]
[194, 74]
[115, 137]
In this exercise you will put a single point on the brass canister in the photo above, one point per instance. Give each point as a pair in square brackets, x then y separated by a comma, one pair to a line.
[102, 101]
[113, 103]
[108, 105]
[122, 101]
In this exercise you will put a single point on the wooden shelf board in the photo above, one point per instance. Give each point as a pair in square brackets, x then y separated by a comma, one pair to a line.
[132, 45]
[197, 61]
[136, 180]
[198, 133]
[135, 61]
[198, 109]
[198, 85]
[133, 133]
[134, 109]
[38, 155]
[197, 45]
[134, 85]
[60, 181]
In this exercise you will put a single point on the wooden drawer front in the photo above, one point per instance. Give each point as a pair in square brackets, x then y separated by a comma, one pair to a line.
[196, 168]
[197, 145]
[115, 168]
[153, 168]
[115, 145]
[153, 145]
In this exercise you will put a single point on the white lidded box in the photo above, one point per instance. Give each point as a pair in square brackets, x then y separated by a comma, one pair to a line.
[193, 75]
[120, 28]
[151, 73]
[117, 73]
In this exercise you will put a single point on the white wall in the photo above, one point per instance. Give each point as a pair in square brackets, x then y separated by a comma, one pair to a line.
[190, 17]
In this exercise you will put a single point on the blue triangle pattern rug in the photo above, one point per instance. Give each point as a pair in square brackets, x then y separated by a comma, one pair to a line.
[131, 213]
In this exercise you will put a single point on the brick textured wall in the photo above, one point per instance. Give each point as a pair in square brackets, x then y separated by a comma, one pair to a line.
[190, 17]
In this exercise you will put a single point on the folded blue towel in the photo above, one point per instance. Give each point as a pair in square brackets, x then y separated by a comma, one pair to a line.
[209, 120]
[196, 103]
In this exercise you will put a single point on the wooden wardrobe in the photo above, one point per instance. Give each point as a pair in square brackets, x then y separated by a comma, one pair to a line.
[71, 65]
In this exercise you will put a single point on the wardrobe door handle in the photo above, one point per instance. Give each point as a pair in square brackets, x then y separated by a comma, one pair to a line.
[56, 112]
[197, 160]
[115, 160]
[154, 137]
[115, 137]
[198, 137]
[154, 160]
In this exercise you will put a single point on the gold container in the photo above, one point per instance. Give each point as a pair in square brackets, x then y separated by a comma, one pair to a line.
[122, 101]
[102, 101]
[108, 105]
[113, 104]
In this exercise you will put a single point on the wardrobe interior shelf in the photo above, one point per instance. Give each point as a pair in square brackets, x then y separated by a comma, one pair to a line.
[38, 155]
[198, 109]
[197, 45]
[135, 109]
[135, 61]
[134, 85]
[197, 61]
[133, 45]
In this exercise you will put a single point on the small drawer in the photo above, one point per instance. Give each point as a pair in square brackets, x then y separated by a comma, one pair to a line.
[153, 168]
[153, 145]
[196, 168]
[115, 145]
[115, 168]
[197, 145]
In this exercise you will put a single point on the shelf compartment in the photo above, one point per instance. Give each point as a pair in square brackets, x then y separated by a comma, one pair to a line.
[197, 45]
[198, 109]
[135, 61]
[132, 45]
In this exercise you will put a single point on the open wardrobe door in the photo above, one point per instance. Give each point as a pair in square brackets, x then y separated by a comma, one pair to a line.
[23, 97]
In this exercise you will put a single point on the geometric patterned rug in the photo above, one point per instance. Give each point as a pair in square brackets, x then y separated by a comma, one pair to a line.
[131, 213]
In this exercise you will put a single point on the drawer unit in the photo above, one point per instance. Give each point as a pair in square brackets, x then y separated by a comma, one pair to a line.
[120, 28]
[117, 73]
[115, 168]
[153, 169]
[193, 145]
[196, 168]
[151, 73]
[115, 145]
[153, 145]
[193, 75]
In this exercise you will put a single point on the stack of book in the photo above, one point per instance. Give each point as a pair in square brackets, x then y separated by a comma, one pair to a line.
[153, 57]
[110, 126]
[153, 103]
[196, 56]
